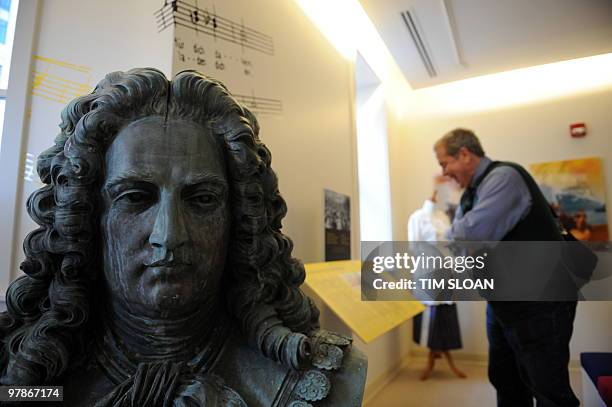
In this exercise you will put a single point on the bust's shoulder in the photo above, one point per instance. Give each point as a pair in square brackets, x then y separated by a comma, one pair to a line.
[349, 381]
[336, 376]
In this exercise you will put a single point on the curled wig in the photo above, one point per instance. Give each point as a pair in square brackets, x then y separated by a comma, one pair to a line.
[48, 308]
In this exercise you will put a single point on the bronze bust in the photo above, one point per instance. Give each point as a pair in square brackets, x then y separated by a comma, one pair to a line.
[159, 275]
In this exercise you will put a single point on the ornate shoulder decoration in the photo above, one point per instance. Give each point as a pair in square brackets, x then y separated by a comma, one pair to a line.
[306, 387]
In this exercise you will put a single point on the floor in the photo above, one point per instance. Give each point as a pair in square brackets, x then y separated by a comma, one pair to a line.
[443, 388]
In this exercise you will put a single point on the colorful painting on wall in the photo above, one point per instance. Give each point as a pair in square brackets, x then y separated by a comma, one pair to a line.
[576, 190]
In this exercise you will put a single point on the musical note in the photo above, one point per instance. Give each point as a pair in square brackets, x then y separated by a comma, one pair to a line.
[194, 17]
[247, 66]
[186, 15]
[260, 105]
[214, 20]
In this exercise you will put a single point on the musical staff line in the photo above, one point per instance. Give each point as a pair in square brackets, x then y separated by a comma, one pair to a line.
[59, 81]
[215, 16]
[180, 13]
[260, 105]
[164, 21]
[74, 67]
[227, 32]
[222, 20]
[180, 20]
[57, 88]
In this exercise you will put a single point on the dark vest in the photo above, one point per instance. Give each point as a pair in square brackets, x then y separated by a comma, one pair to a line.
[539, 224]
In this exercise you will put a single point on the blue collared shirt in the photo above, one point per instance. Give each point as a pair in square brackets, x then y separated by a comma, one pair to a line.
[502, 200]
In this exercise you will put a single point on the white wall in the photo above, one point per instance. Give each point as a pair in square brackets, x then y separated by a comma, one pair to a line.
[373, 159]
[537, 132]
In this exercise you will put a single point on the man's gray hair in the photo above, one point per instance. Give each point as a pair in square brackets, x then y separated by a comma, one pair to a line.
[457, 138]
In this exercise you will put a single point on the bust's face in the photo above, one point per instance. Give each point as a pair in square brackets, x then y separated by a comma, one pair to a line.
[166, 219]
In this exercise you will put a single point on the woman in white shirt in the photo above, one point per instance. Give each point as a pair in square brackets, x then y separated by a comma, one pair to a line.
[438, 326]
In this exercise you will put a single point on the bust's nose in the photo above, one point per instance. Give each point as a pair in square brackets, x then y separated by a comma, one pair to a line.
[169, 230]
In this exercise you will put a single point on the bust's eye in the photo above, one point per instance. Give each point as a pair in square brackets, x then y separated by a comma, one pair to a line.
[203, 199]
[134, 197]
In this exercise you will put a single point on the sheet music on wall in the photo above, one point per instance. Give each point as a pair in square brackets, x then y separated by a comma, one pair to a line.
[226, 48]
[201, 20]
[59, 81]
[55, 82]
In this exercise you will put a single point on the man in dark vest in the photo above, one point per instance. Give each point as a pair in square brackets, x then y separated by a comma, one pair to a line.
[528, 341]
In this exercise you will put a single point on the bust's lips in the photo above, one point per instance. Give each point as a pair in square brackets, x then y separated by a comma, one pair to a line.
[168, 270]
[165, 262]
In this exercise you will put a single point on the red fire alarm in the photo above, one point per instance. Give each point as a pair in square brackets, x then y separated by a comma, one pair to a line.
[578, 130]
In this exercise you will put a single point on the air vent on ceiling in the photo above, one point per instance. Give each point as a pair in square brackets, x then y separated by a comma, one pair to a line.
[409, 20]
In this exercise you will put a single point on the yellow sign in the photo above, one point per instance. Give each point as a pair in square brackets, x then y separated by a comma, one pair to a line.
[338, 284]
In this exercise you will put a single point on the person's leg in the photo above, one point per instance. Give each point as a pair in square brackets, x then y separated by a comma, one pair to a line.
[430, 365]
[503, 367]
[543, 348]
[453, 368]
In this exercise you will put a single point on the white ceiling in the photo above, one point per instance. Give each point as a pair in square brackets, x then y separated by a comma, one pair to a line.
[491, 35]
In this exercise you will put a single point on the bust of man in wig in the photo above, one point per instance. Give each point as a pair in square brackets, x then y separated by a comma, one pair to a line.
[159, 275]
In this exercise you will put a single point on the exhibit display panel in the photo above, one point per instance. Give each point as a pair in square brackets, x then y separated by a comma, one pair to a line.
[338, 284]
